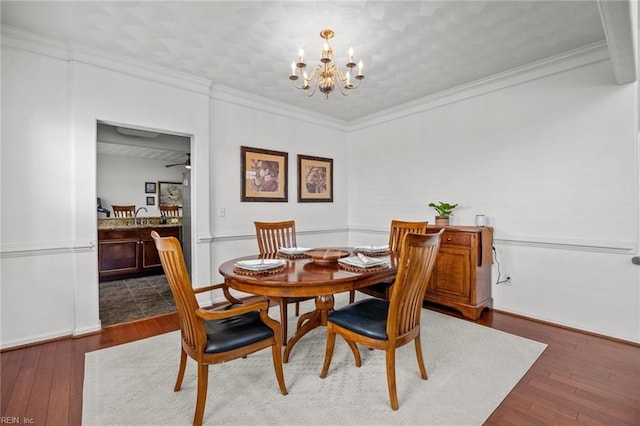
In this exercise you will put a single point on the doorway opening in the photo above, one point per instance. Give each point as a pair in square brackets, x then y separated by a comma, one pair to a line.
[143, 170]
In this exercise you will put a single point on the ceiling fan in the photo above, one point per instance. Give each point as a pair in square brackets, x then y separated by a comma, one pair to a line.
[187, 162]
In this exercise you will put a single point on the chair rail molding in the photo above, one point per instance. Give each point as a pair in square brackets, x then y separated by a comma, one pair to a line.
[252, 236]
[45, 248]
[574, 244]
[598, 246]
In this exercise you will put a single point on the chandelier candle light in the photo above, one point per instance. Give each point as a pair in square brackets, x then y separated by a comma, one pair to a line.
[326, 75]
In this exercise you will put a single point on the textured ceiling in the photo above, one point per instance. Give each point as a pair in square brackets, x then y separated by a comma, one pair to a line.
[410, 49]
[119, 141]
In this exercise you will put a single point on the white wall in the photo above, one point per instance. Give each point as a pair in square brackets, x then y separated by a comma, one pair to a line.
[266, 126]
[121, 181]
[38, 245]
[50, 107]
[552, 162]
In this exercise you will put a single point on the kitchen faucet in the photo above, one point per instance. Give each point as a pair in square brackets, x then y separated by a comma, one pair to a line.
[135, 215]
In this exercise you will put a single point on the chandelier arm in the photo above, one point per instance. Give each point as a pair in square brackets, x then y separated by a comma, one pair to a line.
[356, 85]
[314, 72]
[306, 91]
[296, 86]
[348, 86]
[345, 91]
[338, 71]
[310, 77]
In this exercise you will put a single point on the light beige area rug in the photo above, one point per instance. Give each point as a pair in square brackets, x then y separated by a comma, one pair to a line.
[471, 369]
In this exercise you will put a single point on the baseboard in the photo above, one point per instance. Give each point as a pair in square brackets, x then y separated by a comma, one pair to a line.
[565, 327]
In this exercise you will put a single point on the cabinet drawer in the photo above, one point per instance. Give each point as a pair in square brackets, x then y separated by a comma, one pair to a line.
[117, 234]
[456, 239]
[117, 256]
[145, 233]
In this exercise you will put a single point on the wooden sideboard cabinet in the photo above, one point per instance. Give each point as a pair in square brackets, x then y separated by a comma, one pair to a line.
[462, 276]
[126, 253]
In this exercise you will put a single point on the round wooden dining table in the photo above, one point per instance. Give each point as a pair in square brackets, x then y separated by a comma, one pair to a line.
[302, 277]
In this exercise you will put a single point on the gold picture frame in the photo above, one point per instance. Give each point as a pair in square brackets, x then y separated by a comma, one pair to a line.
[264, 175]
[315, 179]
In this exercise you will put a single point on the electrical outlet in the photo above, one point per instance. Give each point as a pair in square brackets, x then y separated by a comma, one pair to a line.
[506, 281]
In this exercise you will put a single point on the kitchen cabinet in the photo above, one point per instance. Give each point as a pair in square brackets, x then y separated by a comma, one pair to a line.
[461, 278]
[130, 252]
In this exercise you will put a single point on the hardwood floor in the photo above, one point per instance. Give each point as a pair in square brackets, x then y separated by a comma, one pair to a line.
[579, 379]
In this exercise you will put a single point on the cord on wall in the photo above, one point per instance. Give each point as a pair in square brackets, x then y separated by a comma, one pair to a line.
[498, 281]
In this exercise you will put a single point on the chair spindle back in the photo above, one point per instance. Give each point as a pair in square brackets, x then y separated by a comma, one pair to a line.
[273, 235]
[123, 211]
[178, 277]
[170, 211]
[400, 228]
[417, 260]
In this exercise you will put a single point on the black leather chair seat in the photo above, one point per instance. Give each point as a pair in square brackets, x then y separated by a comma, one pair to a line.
[230, 333]
[367, 317]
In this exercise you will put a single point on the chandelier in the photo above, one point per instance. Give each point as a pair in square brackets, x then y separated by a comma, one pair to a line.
[325, 76]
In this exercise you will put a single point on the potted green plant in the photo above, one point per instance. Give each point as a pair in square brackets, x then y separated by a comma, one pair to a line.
[444, 211]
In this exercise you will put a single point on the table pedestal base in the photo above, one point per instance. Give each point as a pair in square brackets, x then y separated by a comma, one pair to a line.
[309, 321]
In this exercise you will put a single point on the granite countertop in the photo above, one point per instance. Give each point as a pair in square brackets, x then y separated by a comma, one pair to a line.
[128, 223]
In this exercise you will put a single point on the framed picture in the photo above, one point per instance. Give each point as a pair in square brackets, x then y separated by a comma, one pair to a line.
[315, 179]
[149, 188]
[151, 201]
[263, 175]
[170, 194]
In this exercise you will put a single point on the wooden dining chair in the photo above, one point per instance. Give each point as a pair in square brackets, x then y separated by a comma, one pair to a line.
[398, 230]
[389, 324]
[271, 236]
[170, 211]
[215, 336]
[123, 211]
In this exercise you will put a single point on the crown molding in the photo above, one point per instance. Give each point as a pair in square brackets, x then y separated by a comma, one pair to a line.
[141, 69]
[23, 40]
[19, 39]
[237, 97]
[592, 53]
[620, 30]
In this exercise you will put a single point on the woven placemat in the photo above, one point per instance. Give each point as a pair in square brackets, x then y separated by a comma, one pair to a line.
[358, 269]
[374, 253]
[292, 256]
[241, 271]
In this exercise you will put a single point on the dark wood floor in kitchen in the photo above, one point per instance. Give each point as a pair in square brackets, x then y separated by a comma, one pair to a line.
[579, 379]
[134, 298]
